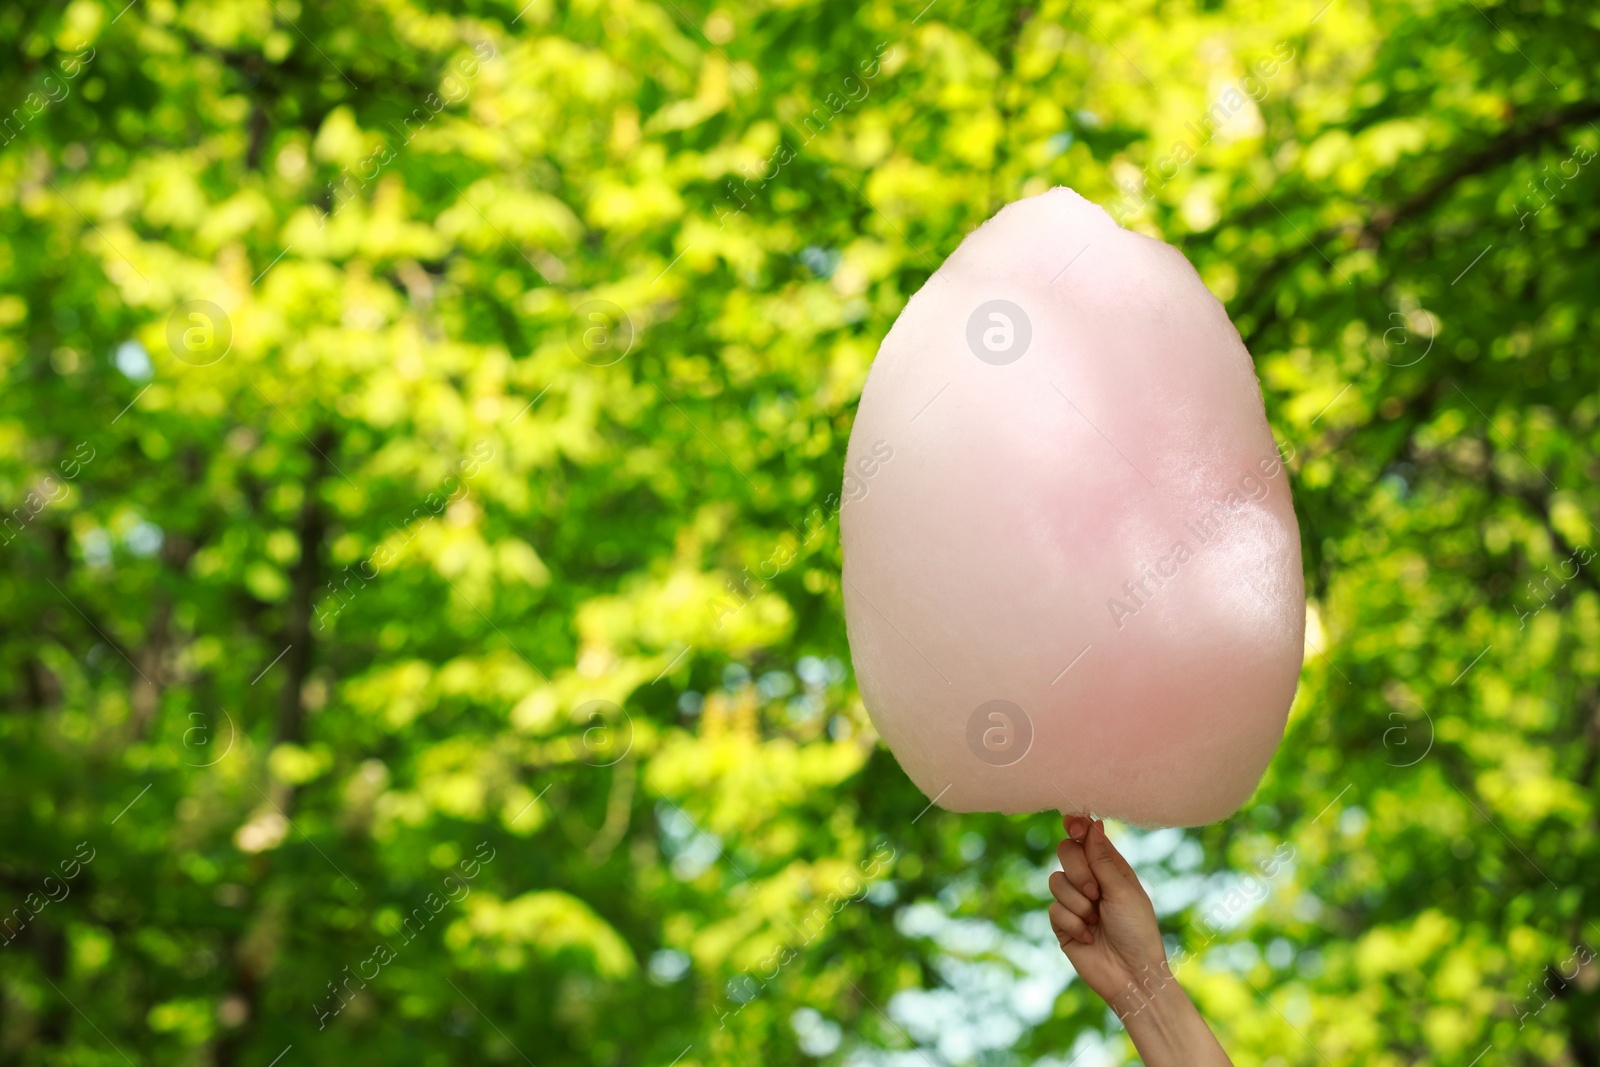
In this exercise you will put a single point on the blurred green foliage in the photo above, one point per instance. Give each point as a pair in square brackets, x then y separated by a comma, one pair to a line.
[427, 647]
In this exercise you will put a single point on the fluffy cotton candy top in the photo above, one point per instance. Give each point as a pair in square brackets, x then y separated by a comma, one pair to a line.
[1071, 563]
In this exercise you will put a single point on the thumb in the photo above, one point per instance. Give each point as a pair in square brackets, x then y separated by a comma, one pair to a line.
[1109, 867]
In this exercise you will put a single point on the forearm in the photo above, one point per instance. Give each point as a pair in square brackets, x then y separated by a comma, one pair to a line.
[1167, 1028]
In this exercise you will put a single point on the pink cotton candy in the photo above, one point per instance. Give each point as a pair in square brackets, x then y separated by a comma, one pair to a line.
[1071, 563]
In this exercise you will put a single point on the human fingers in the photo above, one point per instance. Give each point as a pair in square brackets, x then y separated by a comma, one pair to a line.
[1068, 894]
[1106, 865]
[1069, 927]
[1075, 862]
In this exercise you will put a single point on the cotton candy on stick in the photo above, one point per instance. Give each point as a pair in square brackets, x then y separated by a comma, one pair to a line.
[1072, 572]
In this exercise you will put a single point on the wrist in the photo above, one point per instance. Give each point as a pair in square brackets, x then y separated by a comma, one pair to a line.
[1150, 988]
[1168, 1029]
[1153, 1006]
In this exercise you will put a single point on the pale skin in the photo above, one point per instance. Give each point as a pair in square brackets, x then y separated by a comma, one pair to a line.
[1106, 925]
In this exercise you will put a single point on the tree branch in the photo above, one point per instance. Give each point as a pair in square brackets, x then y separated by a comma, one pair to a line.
[1507, 146]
